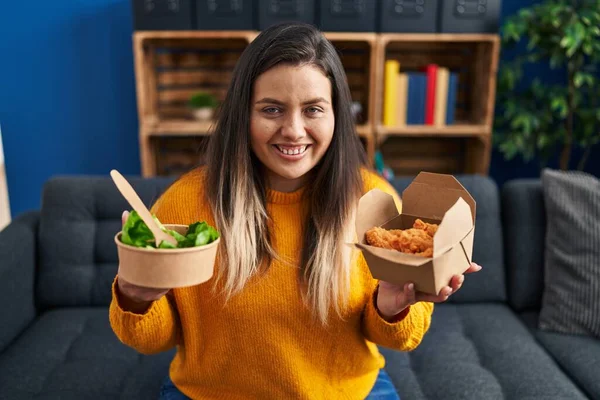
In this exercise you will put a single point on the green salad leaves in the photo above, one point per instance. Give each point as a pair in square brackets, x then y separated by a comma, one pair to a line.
[136, 233]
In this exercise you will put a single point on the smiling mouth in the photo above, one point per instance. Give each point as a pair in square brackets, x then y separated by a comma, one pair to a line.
[292, 150]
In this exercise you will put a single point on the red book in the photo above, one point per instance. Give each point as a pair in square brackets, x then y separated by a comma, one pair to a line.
[431, 71]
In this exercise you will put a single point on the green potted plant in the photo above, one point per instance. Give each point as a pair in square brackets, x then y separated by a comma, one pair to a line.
[203, 105]
[546, 119]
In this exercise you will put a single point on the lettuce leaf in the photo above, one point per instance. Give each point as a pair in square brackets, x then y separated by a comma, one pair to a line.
[136, 233]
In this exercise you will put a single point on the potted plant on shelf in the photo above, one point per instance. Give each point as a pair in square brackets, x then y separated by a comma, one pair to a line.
[203, 105]
[539, 118]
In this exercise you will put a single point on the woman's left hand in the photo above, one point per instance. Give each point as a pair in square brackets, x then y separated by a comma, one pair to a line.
[393, 299]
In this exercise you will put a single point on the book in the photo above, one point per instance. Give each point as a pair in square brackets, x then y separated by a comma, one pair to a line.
[441, 96]
[390, 96]
[402, 99]
[452, 95]
[417, 85]
[431, 72]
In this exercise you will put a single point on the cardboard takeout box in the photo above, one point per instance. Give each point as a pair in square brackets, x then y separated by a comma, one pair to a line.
[166, 268]
[434, 198]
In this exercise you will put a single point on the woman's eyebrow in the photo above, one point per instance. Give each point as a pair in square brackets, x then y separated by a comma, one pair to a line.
[316, 100]
[270, 100]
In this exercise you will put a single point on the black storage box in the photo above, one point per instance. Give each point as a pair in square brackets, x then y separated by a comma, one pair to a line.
[470, 16]
[409, 16]
[224, 15]
[158, 15]
[347, 15]
[274, 11]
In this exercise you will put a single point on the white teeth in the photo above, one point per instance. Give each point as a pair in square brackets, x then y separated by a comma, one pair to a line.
[297, 150]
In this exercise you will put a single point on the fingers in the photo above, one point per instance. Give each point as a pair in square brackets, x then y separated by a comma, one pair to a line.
[473, 268]
[409, 294]
[445, 292]
[124, 217]
[456, 282]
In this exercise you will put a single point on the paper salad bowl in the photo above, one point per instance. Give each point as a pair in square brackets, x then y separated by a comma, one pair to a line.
[166, 268]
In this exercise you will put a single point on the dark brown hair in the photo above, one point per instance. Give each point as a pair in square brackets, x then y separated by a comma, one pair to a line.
[236, 186]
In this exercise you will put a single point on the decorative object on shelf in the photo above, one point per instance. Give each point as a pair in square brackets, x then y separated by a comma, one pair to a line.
[381, 168]
[203, 105]
[541, 118]
[403, 16]
[225, 14]
[274, 11]
[469, 16]
[156, 15]
[347, 15]
[357, 112]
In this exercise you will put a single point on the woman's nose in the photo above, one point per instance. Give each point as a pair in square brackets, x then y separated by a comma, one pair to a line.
[293, 128]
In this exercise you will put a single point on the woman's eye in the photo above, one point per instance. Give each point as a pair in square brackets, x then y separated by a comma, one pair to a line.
[271, 110]
[313, 110]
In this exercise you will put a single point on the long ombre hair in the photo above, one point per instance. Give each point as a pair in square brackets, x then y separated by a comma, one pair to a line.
[237, 186]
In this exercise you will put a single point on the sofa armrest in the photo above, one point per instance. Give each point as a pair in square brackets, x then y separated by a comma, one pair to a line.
[18, 254]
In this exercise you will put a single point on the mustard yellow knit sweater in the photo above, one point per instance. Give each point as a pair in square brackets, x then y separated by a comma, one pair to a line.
[264, 343]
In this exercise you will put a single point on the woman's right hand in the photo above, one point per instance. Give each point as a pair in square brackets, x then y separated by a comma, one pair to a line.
[133, 298]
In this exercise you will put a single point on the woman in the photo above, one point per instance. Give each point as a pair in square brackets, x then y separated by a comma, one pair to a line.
[291, 313]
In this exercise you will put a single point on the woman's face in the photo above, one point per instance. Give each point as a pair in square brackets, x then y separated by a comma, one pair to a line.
[291, 123]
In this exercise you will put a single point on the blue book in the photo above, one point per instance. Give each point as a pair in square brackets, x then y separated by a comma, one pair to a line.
[452, 94]
[417, 90]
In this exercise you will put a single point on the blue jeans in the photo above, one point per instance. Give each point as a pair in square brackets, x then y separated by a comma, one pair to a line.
[383, 390]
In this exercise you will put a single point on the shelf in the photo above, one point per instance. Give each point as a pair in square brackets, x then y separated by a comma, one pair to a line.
[439, 37]
[190, 35]
[351, 36]
[363, 130]
[433, 130]
[178, 128]
[198, 128]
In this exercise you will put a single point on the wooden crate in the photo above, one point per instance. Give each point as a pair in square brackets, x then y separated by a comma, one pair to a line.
[475, 59]
[170, 66]
[176, 155]
[411, 154]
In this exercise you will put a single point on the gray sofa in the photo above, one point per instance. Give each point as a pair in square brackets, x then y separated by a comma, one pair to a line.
[57, 266]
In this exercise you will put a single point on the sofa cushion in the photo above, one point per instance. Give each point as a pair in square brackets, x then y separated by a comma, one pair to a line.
[73, 354]
[578, 355]
[17, 275]
[489, 283]
[524, 223]
[78, 256]
[571, 300]
[478, 351]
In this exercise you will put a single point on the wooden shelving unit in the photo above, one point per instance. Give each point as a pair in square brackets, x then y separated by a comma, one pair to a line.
[463, 147]
[172, 65]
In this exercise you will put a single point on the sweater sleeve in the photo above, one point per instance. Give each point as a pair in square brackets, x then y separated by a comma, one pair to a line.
[152, 332]
[158, 328]
[405, 334]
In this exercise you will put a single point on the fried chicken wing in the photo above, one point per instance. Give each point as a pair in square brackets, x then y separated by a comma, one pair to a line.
[416, 240]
